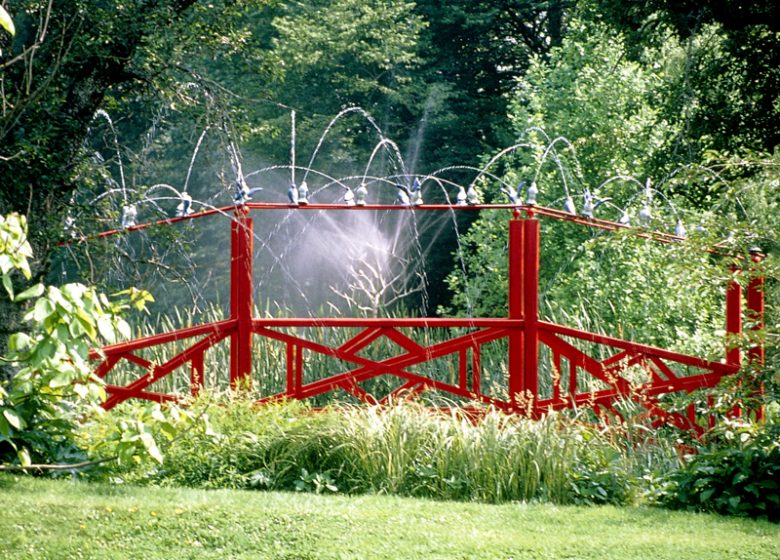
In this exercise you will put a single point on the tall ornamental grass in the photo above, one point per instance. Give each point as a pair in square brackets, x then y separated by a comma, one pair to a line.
[404, 449]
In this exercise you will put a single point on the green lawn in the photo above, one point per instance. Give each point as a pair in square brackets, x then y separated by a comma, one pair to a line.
[60, 519]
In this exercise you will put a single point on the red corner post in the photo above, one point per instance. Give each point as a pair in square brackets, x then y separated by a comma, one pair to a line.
[241, 298]
[755, 314]
[516, 302]
[531, 312]
[524, 304]
[733, 322]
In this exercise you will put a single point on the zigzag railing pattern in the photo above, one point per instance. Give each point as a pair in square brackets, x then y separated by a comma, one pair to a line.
[572, 378]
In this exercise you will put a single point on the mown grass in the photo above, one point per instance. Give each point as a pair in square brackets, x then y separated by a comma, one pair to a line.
[48, 519]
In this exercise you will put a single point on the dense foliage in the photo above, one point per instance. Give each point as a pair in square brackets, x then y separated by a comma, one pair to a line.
[735, 473]
[403, 449]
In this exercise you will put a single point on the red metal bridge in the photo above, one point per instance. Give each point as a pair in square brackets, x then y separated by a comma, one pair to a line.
[575, 370]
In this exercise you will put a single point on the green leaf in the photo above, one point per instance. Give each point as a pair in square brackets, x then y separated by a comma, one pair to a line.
[706, 495]
[151, 446]
[9, 286]
[6, 22]
[43, 308]
[13, 418]
[24, 457]
[60, 380]
[5, 429]
[30, 293]
[19, 342]
[106, 328]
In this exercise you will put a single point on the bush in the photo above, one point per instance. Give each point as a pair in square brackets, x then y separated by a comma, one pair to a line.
[404, 449]
[738, 473]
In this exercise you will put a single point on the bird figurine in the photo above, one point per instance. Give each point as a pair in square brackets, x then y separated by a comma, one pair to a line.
[512, 194]
[292, 194]
[243, 192]
[129, 215]
[460, 198]
[472, 196]
[402, 197]
[679, 229]
[587, 205]
[349, 197]
[569, 207]
[416, 192]
[645, 214]
[185, 206]
[533, 192]
[625, 219]
[360, 195]
[303, 193]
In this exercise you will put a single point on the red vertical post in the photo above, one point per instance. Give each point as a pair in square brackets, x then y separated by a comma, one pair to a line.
[241, 298]
[196, 374]
[515, 299]
[531, 312]
[755, 313]
[733, 322]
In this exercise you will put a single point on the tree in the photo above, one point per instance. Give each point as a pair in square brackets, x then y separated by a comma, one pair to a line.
[732, 76]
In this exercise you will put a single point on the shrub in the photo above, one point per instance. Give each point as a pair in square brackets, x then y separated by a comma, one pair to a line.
[737, 473]
[405, 449]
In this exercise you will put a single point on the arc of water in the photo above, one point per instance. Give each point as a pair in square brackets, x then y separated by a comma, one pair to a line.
[333, 121]
[102, 113]
[192, 159]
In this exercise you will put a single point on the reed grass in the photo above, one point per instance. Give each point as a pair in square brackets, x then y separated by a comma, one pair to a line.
[403, 449]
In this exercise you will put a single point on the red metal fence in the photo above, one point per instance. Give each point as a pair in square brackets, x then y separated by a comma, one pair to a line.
[573, 369]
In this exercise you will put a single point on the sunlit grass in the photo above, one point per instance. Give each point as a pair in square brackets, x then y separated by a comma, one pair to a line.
[46, 519]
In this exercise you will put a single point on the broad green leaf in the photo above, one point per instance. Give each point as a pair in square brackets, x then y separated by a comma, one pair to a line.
[6, 22]
[124, 329]
[106, 328]
[5, 429]
[60, 380]
[13, 418]
[151, 447]
[30, 293]
[19, 342]
[43, 308]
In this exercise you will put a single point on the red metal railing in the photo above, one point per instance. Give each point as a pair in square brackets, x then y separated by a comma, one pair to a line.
[577, 378]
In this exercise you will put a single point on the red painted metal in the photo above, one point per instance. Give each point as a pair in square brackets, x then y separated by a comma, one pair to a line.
[755, 314]
[577, 378]
[530, 369]
[733, 321]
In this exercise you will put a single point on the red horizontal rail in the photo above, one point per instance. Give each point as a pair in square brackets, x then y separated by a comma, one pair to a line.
[639, 348]
[218, 327]
[432, 322]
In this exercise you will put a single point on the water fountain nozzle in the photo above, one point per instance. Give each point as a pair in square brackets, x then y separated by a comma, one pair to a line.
[460, 198]
[416, 192]
[645, 214]
[402, 197]
[185, 206]
[512, 194]
[303, 194]
[472, 196]
[292, 194]
[588, 207]
[533, 192]
[129, 215]
[568, 206]
[360, 195]
[679, 229]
